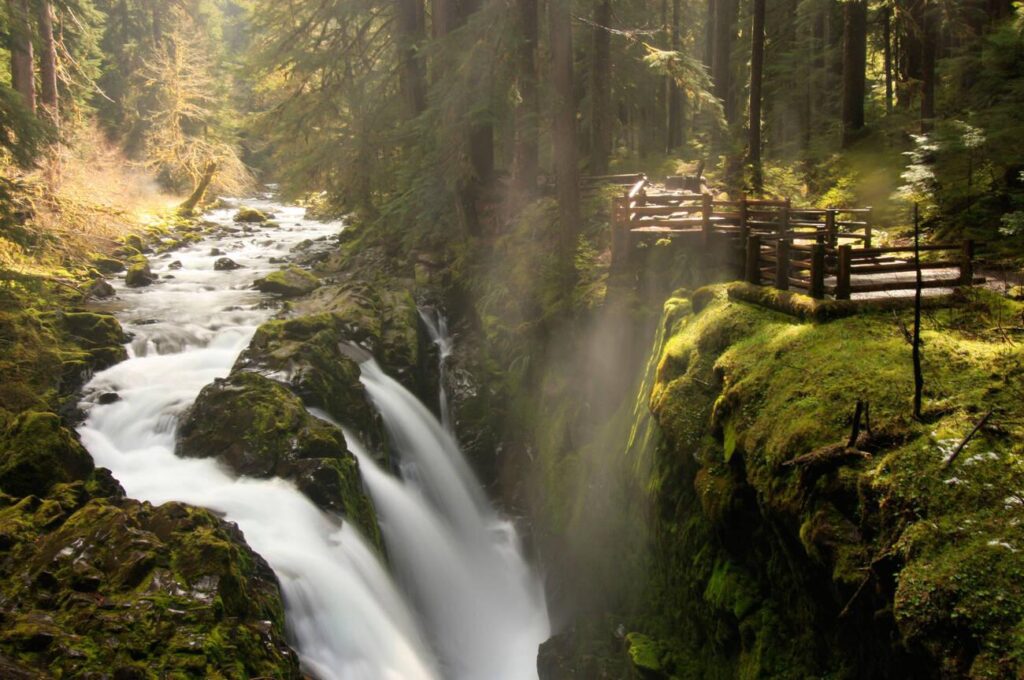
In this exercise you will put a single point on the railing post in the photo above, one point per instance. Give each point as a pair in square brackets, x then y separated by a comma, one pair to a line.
[843, 275]
[867, 228]
[967, 264]
[784, 227]
[782, 264]
[817, 290]
[620, 231]
[744, 227]
[832, 237]
[753, 273]
[706, 208]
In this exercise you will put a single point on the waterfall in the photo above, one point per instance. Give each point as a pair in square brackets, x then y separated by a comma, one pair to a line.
[437, 327]
[463, 604]
[344, 615]
[460, 563]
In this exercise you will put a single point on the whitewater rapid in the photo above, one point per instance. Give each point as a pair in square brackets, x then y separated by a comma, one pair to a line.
[462, 602]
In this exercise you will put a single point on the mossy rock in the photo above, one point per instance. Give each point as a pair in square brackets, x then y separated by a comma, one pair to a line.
[251, 216]
[139, 274]
[96, 586]
[305, 352]
[134, 241]
[258, 428]
[92, 330]
[108, 265]
[291, 282]
[36, 452]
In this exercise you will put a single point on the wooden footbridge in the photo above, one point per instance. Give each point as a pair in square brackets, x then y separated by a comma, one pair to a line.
[822, 252]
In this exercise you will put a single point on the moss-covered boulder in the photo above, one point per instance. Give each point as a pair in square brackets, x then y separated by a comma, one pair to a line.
[139, 273]
[36, 452]
[110, 587]
[108, 265]
[290, 282]
[258, 428]
[251, 216]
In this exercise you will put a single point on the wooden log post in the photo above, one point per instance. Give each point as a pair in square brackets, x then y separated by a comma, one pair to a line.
[744, 224]
[620, 232]
[831, 235]
[782, 264]
[967, 264]
[784, 226]
[817, 290]
[843, 274]
[706, 209]
[867, 228]
[753, 273]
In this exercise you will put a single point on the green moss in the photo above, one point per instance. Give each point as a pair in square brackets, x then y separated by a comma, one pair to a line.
[741, 392]
[644, 652]
[36, 452]
[290, 282]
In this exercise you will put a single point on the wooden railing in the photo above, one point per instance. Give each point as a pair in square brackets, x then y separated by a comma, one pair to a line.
[819, 270]
[821, 251]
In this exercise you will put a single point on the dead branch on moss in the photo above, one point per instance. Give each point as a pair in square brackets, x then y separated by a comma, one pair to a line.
[967, 440]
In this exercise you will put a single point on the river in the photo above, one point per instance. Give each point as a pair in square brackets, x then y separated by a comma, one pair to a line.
[459, 601]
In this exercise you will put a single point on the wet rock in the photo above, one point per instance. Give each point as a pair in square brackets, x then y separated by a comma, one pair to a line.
[108, 398]
[214, 252]
[259, 428]
[108, 265]
[128, 587]
[291, 282]
[139, 274]
[251, 216]
[226, 264]
[36, 452]
[100, 289]
[176, 265]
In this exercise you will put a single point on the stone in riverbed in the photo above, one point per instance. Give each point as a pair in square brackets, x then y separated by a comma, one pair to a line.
[175, 265]
[139, 274]
[259, 428]
[251, 216]
[291, 282]
[37, 452]
[226, 264]
[214, 252]
[100, 289]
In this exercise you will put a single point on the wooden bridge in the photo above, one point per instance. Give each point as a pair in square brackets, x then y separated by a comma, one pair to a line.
[822, 252]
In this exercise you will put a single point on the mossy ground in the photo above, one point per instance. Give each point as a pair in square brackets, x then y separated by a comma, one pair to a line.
[763, 567]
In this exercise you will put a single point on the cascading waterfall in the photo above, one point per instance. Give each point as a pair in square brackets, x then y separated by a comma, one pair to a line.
[469, 606]
[460, 563]
[437, 328]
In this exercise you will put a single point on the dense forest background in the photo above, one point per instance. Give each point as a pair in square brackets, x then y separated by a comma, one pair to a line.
[423, 114]
[426, 116]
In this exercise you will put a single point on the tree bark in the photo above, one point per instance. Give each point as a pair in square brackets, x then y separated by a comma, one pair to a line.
[601, 90]
[409, 28]
[756, 81]
[887, 50]
[188, 207]
[564, 132]
[22, 72]
[709, 36]
[48, 63]
[929, 38]
[527, 146]
[721, 67]
[675, 94]
[855, 53]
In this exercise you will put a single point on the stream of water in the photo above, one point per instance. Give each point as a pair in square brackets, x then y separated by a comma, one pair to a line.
[461, 602]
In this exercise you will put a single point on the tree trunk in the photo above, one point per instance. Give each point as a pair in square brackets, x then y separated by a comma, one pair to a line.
[929, 40]
[855, 51]
[911, 49]
[22, 72]
[188, 207]
[721, 67]
[887, 51]
[675, 94]
[564, 132]
[756, 80]
[48, 63]
[709, 36]
[527, 146]
[601, 90]
[409, 28]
